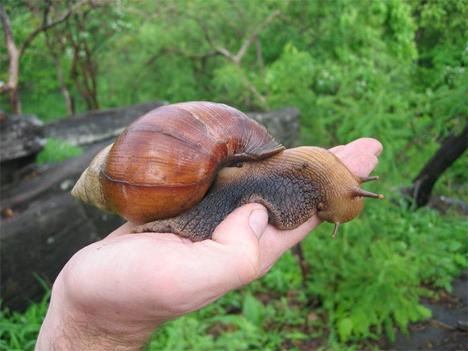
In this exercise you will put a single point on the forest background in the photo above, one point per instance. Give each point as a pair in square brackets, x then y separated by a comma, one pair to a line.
[390, 69]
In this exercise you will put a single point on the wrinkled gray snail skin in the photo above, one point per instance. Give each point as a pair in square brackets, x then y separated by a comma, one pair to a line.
[183, 168]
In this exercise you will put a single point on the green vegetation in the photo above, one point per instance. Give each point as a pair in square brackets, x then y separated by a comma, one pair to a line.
[57, 150]
[369, 280]
[394, 70]
[18, 331]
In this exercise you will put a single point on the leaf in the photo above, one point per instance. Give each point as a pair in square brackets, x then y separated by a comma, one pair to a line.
[253, 310]
[424, 312]
[345, 327]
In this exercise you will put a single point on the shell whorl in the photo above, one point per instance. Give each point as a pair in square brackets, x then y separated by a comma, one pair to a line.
[165, 161]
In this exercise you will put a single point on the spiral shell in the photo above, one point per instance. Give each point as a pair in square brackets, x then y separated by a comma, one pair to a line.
[165, 161]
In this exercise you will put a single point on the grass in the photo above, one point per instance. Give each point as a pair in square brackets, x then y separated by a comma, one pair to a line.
[388, 254]
[18, 331]
[57, 150]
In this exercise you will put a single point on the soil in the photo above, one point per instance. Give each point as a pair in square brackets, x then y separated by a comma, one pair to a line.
[447, 330]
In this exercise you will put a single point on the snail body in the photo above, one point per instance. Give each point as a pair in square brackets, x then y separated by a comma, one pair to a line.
[183, 168]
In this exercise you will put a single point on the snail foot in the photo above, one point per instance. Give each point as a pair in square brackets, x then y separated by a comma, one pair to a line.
[161, 226]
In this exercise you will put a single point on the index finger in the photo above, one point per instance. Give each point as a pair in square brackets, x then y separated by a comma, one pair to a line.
[126, 228]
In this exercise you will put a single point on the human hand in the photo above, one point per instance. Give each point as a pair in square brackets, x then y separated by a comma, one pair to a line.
[114, 293]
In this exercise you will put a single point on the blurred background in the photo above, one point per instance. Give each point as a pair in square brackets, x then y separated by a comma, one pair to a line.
[394, 70]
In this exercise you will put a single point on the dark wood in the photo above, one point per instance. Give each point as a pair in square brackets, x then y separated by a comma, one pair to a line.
[42, 226]
[20, 136]
[444, 204]
[51, 179]
[21, 139]
[38, 244]
[282, 124]
[96, 126]
[93, 127]
[451, 149]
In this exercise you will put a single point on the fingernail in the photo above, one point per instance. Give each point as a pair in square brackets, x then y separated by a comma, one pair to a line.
[258, 221]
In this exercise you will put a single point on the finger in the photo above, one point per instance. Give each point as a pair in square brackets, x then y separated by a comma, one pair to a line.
[126, 228]
[239, 234]
[361, 165]
[274, 242]
[360, 156]
[245, 223]
[337, 149]
[367, 145]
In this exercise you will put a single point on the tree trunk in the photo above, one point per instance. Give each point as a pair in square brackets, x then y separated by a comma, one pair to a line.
[11, 87]
[450, 150]
[68, 99]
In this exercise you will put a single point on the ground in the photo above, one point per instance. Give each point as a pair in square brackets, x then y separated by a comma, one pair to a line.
[447, 330]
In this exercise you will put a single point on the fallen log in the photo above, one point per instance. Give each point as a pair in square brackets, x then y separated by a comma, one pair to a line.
[96, 126]
[21, 139]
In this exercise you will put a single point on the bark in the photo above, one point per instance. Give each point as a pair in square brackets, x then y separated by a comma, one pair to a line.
[21, 139]
[11, 87]
[46, 25]
[451, 149]
[68, 99]
[83, 70]
[236, 58]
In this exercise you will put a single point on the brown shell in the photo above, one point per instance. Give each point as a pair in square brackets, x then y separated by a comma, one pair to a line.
[164, 162]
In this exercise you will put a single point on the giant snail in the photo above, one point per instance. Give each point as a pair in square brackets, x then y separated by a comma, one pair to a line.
[182, 168]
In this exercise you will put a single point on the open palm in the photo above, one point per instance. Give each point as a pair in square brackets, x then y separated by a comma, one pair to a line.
[121, 288]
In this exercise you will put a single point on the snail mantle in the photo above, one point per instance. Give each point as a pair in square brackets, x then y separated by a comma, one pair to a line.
[182, 168]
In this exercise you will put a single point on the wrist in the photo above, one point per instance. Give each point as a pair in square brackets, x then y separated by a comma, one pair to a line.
[68, 327]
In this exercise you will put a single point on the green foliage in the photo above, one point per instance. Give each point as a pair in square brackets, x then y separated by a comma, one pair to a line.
[370, 280]
[394, 70]
[18, 331]
[57, 150]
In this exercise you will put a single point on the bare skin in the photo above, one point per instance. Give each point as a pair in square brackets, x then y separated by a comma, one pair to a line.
[114, 293]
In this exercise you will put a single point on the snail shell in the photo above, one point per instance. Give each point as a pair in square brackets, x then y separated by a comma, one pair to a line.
[165, 161]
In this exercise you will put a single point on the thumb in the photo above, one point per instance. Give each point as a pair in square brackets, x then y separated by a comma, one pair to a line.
[239, 235]
[245, 224]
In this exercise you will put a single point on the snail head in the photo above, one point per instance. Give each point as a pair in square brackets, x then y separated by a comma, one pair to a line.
[342, 195]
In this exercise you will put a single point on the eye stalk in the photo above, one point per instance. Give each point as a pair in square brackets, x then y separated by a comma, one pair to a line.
[368, 179]
[365, 193]
[335, 229]
[357, 192]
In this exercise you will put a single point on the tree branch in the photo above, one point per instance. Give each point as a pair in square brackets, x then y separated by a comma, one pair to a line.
[249, 40]
[451, 149]
[13, 68]
[46, 25]
[13, 53]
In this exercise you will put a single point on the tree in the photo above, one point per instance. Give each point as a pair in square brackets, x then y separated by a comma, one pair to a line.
[15, 52]
[451, 149]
